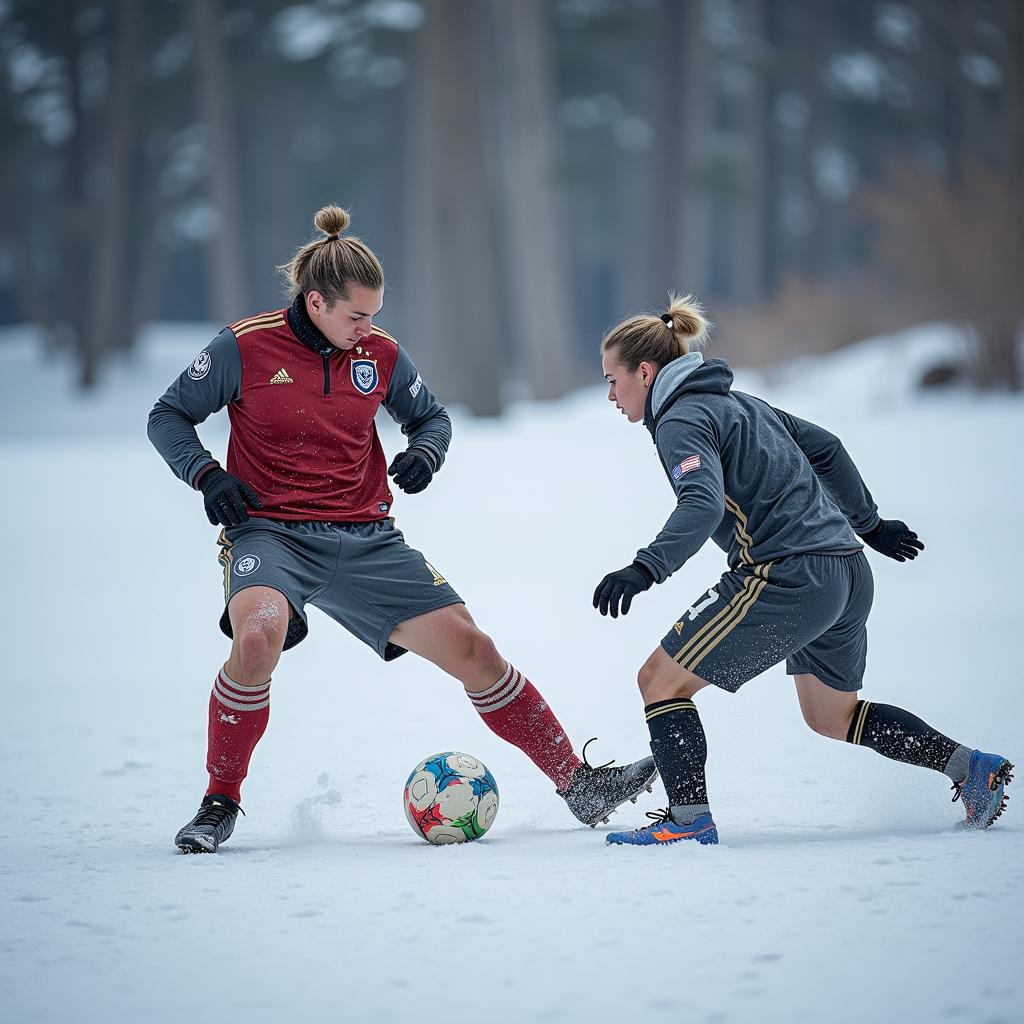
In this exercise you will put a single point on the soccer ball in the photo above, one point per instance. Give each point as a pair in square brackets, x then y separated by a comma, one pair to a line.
[451, 798]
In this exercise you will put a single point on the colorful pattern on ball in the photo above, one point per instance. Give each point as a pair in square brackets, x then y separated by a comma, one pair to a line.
[451, 798]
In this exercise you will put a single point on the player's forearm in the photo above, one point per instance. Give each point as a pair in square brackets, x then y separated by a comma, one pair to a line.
[175, 438]
[683, 535]
[845, 486]
[433, 435]
[836, 471]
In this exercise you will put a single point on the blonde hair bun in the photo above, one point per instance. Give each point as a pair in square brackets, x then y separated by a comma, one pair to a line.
[659, 338]
[688, 320]
[329, 265]
[331, 220]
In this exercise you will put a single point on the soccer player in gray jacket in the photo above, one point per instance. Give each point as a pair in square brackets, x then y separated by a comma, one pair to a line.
[784, 500]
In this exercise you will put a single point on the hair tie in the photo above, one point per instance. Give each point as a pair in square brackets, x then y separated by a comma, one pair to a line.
[666, 319]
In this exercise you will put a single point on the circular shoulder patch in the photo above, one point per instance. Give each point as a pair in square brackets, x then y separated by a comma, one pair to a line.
[201, 366]
[247, 564]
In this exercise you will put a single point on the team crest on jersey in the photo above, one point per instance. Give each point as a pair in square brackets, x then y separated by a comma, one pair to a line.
[364, 374]
[201, 366]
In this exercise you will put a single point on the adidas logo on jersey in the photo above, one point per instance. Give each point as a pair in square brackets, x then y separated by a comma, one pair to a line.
[281, 377]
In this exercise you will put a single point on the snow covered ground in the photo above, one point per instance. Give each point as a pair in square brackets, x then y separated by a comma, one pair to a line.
[841, 890]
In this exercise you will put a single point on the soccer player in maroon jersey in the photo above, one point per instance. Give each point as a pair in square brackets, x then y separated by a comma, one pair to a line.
[304, 505]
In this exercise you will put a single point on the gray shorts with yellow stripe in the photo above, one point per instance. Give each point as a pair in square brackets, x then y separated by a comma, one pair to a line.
[809, 610]
[363, 575]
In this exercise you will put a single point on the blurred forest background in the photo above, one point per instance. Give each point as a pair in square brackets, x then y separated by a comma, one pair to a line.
[529, 171]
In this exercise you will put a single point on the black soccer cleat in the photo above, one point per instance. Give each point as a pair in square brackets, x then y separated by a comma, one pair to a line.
[210, 827]
[594, 793]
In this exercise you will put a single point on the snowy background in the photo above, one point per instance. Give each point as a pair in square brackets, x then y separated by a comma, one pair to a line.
[841, 889]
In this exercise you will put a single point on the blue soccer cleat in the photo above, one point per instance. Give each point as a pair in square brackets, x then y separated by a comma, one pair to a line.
[983, 790]
[664, 830]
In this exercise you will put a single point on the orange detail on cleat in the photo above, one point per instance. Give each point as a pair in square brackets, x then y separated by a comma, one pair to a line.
[665, 835]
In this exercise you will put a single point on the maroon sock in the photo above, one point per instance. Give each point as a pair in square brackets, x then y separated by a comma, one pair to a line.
[514, 710]
[238, 718]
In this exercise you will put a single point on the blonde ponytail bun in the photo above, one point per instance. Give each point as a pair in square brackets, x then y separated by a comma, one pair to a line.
[331, 220]
[329, 265]
[660, 338]
[689, 325]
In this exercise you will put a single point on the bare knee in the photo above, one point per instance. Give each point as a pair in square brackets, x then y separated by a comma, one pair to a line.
[254, 655]
[660, 678]
[259, 638]
[470, 654]
[835, 723]
[646, 680]
[827, 711]
[478, 654]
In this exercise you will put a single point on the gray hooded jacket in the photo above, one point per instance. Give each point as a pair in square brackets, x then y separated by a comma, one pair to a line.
[762, 483]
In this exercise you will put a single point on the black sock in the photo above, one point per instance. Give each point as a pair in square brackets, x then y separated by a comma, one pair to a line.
[902, 736]
[680, 752]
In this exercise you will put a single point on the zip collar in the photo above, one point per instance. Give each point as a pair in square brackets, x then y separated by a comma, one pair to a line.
[306, 331]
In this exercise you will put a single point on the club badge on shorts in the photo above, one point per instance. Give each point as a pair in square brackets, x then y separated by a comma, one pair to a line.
[364, 375]
[247, 564]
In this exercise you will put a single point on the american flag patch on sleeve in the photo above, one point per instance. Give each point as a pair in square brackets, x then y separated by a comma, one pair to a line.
[693, 462]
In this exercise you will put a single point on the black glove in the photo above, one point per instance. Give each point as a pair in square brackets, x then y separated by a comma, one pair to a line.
[894, 538]
[623, 585]
[225, 498]
[412, 470]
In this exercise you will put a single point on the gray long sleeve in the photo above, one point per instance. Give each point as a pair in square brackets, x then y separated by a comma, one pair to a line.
[835, 469]
[700, 495]
[212, 381]
[412, 405]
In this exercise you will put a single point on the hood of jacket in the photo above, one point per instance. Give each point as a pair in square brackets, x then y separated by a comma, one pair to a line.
[689, 374]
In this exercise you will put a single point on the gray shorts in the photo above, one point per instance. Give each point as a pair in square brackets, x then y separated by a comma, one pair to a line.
[810, 610]
[363, 575]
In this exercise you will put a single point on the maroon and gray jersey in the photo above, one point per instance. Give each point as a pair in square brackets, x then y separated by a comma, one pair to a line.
[302, 416]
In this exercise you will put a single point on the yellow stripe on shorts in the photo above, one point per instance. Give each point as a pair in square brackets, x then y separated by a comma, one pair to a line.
[225, 559]
[702, 643]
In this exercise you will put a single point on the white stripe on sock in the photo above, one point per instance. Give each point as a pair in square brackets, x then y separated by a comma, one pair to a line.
[515, 687]
[237, 690]
[481, 694]
[495, 692]
[240, 698]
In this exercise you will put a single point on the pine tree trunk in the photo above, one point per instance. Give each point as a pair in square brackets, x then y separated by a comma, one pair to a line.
[666, 224]
[535, 277]
[73, 277]
[696, 58]
[453, 322]
[109, 320]
[747, 222]
[230, 298]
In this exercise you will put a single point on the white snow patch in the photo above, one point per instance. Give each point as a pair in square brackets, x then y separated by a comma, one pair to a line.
[838, 873]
